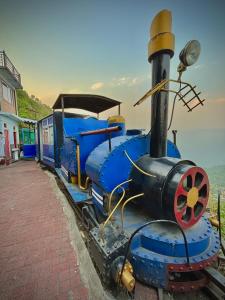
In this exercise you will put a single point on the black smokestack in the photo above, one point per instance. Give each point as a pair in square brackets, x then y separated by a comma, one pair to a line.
[161, 48]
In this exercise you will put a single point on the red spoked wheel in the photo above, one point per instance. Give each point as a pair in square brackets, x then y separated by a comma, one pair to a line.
[191, 197]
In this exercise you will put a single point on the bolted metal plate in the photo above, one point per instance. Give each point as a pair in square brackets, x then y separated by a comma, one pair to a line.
[155, 255]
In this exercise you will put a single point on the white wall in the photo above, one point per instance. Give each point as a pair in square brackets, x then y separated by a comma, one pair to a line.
[10, 123]
[10, 100]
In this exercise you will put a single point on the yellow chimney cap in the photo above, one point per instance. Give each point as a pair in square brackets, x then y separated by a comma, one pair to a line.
[161, 37]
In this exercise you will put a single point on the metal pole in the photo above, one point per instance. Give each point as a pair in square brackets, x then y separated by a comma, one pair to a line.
[29, 134]
[159, 106]
[62, 106]
[4, 59]
[160, 50]
[110, 143]
[174, 136]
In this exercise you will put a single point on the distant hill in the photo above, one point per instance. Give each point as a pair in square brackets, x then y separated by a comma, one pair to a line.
[217, 183]
[31, 107]
[217, 180]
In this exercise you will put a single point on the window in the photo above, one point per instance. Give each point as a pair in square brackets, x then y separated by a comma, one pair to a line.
[48, 137]
[45, 136]
[51, 135]
[5, 91]
[12, 96]
[8, 93]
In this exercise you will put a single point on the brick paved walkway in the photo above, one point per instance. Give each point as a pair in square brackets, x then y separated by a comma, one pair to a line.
[37, 260]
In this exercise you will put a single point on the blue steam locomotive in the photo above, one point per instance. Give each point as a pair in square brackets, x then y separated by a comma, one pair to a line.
[144, 205]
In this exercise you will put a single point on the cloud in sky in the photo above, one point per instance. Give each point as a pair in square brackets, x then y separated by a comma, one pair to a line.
[125, 81]
[215, 101]
[117, 82]
[199, 66]
[73, 91]
[220, 100]
[97, 85]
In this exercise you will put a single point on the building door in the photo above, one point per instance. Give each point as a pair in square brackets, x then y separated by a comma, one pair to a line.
[2, 145]
[7, 145]
[15, 139]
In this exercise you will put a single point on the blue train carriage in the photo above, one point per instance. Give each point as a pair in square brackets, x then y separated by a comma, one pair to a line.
[45, 144]
[49, 138]
[65, 140]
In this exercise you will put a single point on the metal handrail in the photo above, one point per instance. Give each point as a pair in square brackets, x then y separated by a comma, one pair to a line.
[161, 87]
[5, 62]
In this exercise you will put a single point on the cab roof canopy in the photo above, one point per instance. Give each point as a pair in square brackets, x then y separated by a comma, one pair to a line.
[92, 103]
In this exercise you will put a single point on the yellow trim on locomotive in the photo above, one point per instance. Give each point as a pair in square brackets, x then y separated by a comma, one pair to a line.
[161, 37]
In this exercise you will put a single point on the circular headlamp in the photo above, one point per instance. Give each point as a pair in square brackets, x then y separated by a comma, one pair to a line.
[189, 55]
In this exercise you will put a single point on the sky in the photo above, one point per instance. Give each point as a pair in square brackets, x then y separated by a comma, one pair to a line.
[100, 47]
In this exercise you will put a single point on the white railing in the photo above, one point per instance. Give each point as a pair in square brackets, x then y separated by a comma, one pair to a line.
[5, 62]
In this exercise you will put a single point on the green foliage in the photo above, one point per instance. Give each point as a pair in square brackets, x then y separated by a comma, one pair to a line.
[31, 107]
[217, 183]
